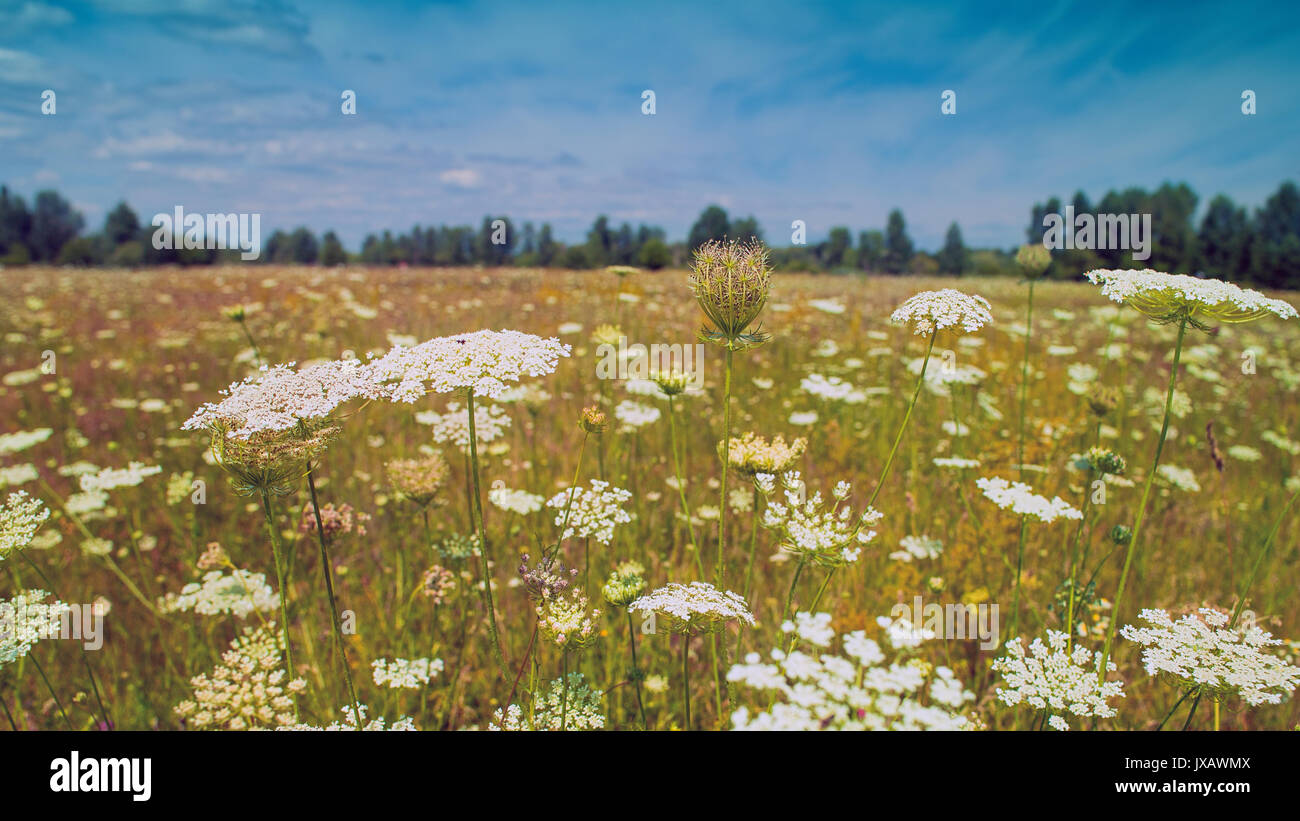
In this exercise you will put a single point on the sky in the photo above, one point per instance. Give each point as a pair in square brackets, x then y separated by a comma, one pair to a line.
[828, 113]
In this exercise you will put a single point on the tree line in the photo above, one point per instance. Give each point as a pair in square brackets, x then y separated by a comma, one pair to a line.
[1230, 241]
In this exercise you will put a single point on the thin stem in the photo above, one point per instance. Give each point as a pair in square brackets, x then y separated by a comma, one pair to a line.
[1268, 543]
[328, 570]
[1172, 709]
[1024, 383]
[85, 660]
[477, 513]
[916, 392]
[1192, 711]
[277, 550]
[686, 682]
[681, 488]
[1142, 506]
[636, 670]
[721, 570]
[1020, 561]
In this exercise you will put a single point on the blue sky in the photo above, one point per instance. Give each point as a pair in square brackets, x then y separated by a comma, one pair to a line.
[829, 113]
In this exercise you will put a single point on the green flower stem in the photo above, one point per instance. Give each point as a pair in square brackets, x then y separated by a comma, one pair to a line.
[916, 392]
[1259, 560]
[789, 596]
[686, 681]
[1142, 506]
[477, 514]
[328, 571]
[277, 550]
[1192, 711]
[1020, 561]
[636, 670]
[721, 570]
[1024, 384]
[1172, 709]
[681, 488]
[85, 660]
[573, 489]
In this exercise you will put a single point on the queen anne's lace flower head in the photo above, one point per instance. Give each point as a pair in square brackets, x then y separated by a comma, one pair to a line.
[111, 479]
[516, 501]
[1169, 298]
[731, 281]
[596, 511]
[484, 362]
[564, 620]
[25, 620]
[1200, 650]
[1054, 679]
[570, 705]
[20, 517]
[1020, 499]
[697, 607]
[239, 594]
[751, 454]
[408, 674]
[827, 535]
[349, 723]
[931, 311]
[855, 690]
[418, 479]
[452, 427]
[280, 398]
[626, 583]
[247, 690]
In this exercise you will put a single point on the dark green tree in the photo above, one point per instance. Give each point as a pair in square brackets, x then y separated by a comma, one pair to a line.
[898, 245]
[712, 224]
[952, 258]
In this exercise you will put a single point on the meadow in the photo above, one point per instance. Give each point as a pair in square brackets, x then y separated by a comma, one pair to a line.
[100, 369]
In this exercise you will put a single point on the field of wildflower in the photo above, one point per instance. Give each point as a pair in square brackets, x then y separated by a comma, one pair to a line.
[700, 499]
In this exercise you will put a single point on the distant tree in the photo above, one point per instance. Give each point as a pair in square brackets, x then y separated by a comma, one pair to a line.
[82, 251]
[1275, 248]
[712, 224]
[599, 243]
[303, 247]
[655, 254]
[54, 222]
[331, 250]
[838, 242]
[530, 239]
[370, 250]
[1223, 242]
[493, 253]
[15, 223]
[898, 246]
[575, 256]
[278, 250]
[745, 229]
[1173, 241]
[952, 259]
[625, 248]
[871, 250]
[121, 225]
[546, 246]
[923, 264]
[127, 255]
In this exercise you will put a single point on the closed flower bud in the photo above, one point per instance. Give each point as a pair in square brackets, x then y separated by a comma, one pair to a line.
[593, 420]
[1033, 260]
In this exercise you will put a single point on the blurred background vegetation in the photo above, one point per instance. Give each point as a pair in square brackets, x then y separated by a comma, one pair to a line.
[1227, 240]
